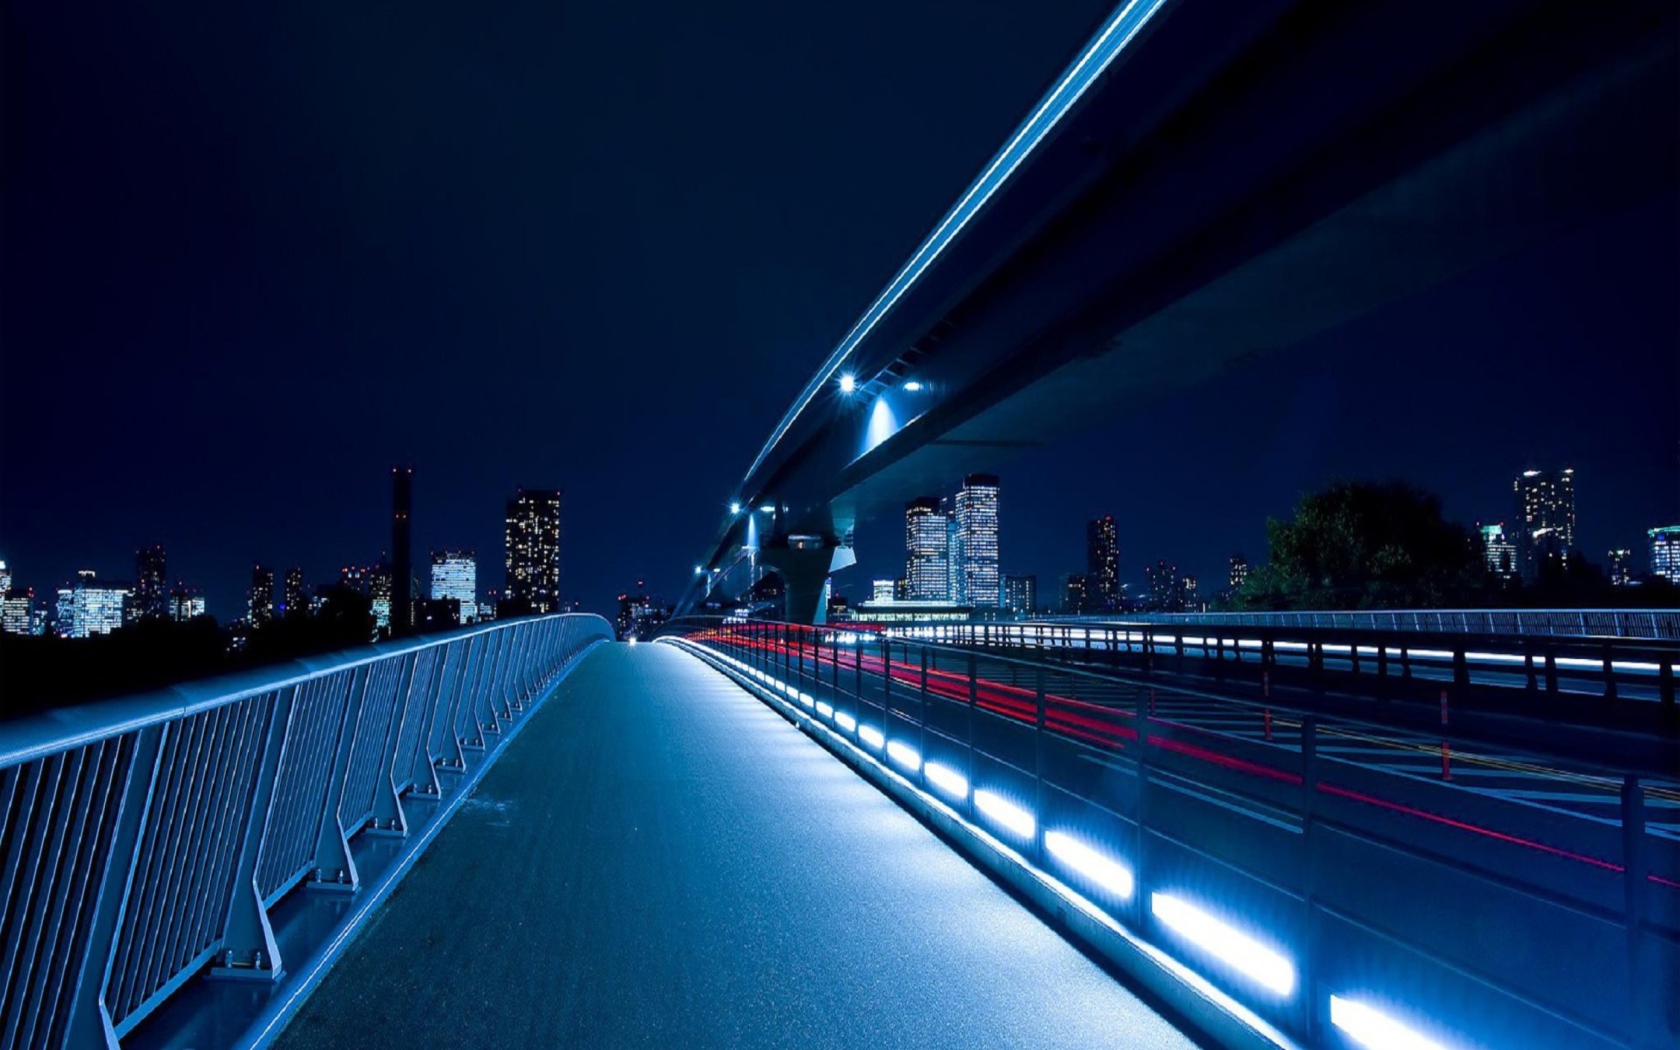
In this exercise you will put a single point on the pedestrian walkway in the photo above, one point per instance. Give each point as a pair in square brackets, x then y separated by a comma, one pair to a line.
[661, 861]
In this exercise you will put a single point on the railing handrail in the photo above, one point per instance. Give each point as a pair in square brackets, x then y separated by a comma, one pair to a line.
[76, 725]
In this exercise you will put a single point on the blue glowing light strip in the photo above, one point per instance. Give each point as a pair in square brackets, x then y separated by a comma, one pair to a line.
[1116, 33]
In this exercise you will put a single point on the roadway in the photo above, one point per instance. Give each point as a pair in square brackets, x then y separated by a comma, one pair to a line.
[660, 860]
[1102, 715]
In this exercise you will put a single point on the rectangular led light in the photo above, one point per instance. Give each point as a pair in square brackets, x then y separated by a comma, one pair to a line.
[904, 754]
[946, 779]
[826, 710]
[845, 721]
[871, 736]
[1005, 814]
[1368, 1026]
[1112, 876]
[1244, 954]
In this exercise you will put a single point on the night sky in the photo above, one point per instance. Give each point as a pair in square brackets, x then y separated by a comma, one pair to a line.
[251, 259]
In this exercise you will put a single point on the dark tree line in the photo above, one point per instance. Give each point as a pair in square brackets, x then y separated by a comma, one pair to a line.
[46, 672]
[1363, 545]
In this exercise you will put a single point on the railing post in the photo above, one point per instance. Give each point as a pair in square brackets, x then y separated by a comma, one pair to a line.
[1140, 811]
[89, 1021]
[1310, 836]
[921, 740]
[1642, 1005]
[387, 804]
[248, 949]
[332, 849]
[1038, 771]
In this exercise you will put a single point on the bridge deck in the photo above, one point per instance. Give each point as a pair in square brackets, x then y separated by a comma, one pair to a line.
[659, 860]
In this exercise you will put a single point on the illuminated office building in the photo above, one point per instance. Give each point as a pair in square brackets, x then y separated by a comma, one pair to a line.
[1238, 574]
[17, 611]
[402, 563]
[5, 577]
[1545, 509]
[1102, 562]
[1020, 594]
[85, 608]
[1665, 552]
[1621, 567]
[379, 593]
[294, 599]
[184, 604]
[1498, 552]
[977, 528]
[883, 591]
[926, 551]
[533, 549]
[455, 575]
[1075, 594]
[151, 592]
[260, 598]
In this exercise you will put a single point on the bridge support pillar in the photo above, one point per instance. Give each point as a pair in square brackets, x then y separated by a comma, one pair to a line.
[804, 568]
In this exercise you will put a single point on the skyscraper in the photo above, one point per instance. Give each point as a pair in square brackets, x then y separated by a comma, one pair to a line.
[151, 591]
[977, 529]
[533, 549]
[5, 577]
[1621, 567]
[1665, 552]
[260, 598]
[86, 608]
[17, 611]
[926, 551]
[455, 575]
[294, 599]
[1102, 562]
[1075, 599]
[184, 604]
[1498, 552]
[1238, 574]
[1020, 594]
[1164, 586]
[402, 562]
[379, 596]
[1545, 509]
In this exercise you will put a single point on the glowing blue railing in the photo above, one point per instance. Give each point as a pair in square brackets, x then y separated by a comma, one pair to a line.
[144, 840]
[1316, 885]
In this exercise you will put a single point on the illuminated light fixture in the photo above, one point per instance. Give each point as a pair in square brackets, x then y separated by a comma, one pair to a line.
[848, 383]
[946, 779]
[632, 639]
[1112, 876]
[698, 571]
[735, 508]
[912, 387]
[904, 754]
[768, 508]
[1245, 954]
[1372, 1028]
[805, 698]
[826, 710]
[1004, 813]
[845, 721]
[871, 736]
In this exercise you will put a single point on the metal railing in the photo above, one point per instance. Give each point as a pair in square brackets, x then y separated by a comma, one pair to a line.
[1621, 683]
[1591, 623]
[1321, 873]
[143, 841]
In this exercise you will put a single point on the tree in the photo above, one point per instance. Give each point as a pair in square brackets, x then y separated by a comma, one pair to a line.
[1365, 545]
